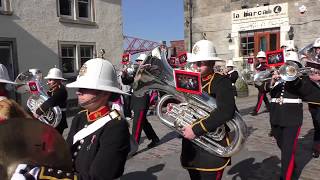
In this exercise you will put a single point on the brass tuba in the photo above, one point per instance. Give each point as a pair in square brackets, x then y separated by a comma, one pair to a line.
[26, 141]
[177, 109]
[31, 82]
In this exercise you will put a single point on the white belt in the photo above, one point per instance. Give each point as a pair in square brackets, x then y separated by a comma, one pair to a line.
[285, 100]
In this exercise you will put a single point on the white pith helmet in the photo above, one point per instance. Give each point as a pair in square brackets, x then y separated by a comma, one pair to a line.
[141, 57]
[230, 63]
[316, 43]
[290, 47]
[292, 56]
[261, 54]
[98, 74]
[204, 50]
[189, 57]
[4, 76]
[54, 73]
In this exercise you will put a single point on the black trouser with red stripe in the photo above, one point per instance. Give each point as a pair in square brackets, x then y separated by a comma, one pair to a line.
[205, 175]
[140, 107]
[315, 114]
[287, 138]
[262, 96]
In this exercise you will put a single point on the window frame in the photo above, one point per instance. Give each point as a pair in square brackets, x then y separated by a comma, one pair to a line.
[77, 63]
[74, 17]
[6, 8]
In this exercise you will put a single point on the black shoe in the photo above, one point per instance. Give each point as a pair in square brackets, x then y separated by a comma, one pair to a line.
[254, 113]
[153, 143]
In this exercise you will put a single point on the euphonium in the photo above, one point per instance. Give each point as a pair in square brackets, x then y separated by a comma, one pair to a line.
[177, 109]
[290, 71]
[38, 96]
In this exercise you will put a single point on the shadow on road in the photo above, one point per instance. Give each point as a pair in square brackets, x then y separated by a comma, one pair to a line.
[169, 136]
[248, 169]
[145, 175]
[304, 151]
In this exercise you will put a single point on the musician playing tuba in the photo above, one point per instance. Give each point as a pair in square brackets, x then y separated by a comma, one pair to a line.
[57, 97]
[199, 163]
[8, 107]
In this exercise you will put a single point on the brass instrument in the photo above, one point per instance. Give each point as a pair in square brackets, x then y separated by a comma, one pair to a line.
[290, 71]
[261, 77]
[53, 116]
[28, 141]
[177, 109]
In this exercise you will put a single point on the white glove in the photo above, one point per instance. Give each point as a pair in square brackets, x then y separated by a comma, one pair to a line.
[25, 172]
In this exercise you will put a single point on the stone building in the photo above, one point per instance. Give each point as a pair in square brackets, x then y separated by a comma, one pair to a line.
[241, 28]
[63, 33]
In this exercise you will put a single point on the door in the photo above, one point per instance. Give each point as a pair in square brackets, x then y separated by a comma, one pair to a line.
[266, 41]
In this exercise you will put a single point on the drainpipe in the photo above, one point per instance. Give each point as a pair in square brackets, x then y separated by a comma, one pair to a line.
[190, 25]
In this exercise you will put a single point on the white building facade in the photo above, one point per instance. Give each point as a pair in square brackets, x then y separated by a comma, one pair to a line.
[62, 33]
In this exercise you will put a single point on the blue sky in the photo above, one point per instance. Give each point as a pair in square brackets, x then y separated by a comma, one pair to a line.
[154, 20]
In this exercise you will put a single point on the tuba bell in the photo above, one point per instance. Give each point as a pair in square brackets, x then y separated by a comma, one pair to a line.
[31, 82]
[177, 109]
[26, 141]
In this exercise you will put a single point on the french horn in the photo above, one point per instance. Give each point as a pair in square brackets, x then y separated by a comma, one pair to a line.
[31, 82]
[177, 109]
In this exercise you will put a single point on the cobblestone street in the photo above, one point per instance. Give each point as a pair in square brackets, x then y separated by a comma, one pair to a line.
[259, 159]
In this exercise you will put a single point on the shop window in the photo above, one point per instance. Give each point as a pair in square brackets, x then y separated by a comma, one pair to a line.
[76, 10]
[73, 55]
[247, 43]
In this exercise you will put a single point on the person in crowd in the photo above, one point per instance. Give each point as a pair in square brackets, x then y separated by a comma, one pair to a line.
[314, 109]
[58, 96]
[232, 75]
[286, 113]
[262, 86]
[98, 137]
[8, 107]
[200, 163]
[140, 106]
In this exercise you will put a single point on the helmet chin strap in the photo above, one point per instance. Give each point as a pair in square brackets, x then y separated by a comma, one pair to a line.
[90, 101]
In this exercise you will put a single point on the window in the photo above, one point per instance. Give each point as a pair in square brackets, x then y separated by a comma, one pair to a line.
[85, 54]
[255, 41]
[247, 43]
[5, 7]
[68, 58]
[65, 7]
[76, 10]
[73, 55]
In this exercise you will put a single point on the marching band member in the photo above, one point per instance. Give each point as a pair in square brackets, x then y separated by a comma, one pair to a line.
[8, 107]
[286, 113]
[262, 88]
[98, 136]
[316, 49]
[199, 163]
[233, 75]
[140, 106]
[58, 96]
[314, 109]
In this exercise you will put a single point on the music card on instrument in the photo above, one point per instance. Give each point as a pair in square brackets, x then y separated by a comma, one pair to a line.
[275, 58]
[34, 87]
[125, 59]
[183, 58]
[188, 81]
